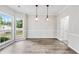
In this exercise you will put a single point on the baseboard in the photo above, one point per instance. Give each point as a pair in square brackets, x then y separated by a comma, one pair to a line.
[69, 46]
[40, 38]
[58, 38]
[73, 49]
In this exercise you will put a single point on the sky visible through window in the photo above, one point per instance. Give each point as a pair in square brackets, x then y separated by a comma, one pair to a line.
[6, 18]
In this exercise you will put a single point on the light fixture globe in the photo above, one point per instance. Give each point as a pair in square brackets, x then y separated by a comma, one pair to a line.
[36, 19]
[47, 19]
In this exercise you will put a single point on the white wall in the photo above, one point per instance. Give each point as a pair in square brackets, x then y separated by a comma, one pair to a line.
[73, 30]
[42, 28]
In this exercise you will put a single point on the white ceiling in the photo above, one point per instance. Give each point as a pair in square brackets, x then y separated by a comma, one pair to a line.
[42, 10]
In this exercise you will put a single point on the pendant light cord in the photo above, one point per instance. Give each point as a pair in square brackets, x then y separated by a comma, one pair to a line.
[36, 11]
[47, 10]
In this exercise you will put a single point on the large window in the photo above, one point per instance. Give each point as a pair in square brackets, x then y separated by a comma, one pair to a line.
[19, 27]
[5, 27]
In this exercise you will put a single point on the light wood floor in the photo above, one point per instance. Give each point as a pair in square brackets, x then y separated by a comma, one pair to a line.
[40, 46]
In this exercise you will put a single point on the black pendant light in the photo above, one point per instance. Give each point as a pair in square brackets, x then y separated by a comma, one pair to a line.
[47, 12]
[36, 12]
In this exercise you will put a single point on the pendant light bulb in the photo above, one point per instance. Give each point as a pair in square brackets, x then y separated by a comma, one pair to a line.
[36, 19]
[47, 19]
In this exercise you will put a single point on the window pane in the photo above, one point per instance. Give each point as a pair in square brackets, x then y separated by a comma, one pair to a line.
[19, 27]
[5, 28]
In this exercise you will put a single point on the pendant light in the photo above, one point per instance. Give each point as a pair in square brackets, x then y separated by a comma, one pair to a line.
[36, 13]
[47, 12]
